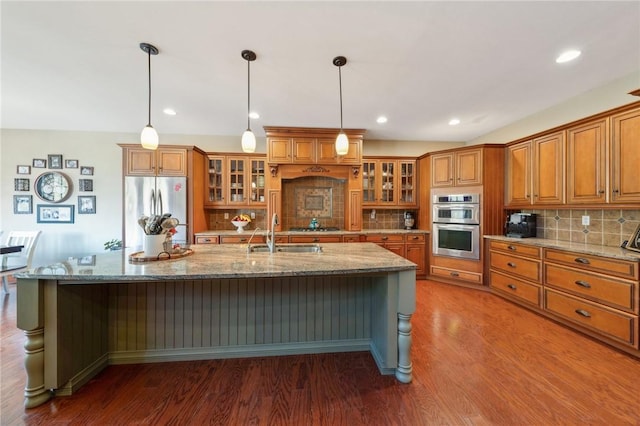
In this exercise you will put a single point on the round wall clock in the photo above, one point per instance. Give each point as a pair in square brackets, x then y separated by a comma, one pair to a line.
[54, 187]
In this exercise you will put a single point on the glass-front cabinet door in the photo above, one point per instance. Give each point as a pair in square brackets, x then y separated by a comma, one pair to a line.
[369, 191]
[216, 186]
[388, 182]
[237, 185]
[408, 181]
[257, 179]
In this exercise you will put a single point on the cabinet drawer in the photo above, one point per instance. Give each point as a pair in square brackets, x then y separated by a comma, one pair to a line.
[239, 239]
[207, 240]
[609, 322]
[605, 265]
[315, 238]
[419, 238]
[352, 238]
[385, 238]
[454, 274]
[516, 289]
[612, 292]
[513, 265]
[516, 248]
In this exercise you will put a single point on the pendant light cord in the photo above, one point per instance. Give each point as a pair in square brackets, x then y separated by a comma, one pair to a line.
[340, 80]
[248, 95]
[149, 57]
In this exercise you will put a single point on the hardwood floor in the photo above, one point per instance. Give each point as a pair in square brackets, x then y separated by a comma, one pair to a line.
[477, 360]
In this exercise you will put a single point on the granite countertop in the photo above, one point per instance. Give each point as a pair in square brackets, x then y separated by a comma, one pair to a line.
[598, 250]
[229, 261]
[363, 232]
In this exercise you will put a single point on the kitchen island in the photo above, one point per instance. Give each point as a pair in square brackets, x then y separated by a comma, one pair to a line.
[219, 302]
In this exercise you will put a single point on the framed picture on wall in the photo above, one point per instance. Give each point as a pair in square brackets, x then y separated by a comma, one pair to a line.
[86, 204]
[55, 161]
[70, 164]
[85, 185]
[634, 240]
[22, 204]
[23, 170]
[39, 163]
[87, 171]
[48, 213]
[21, 184]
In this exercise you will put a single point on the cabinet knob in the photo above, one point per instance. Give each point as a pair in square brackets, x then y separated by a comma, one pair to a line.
[601, 191]
[512, 286]
[511, 264]
[511, 248]
[454, 274]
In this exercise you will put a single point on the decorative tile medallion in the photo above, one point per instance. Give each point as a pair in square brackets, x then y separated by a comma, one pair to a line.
[313, 202]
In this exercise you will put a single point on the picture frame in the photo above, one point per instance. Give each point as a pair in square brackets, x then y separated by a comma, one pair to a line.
[23, 170]
[39, 163]
[85, 185]
[87, 260]
[55, 161]
[71, 164]
[48, 213]
[21, 184]
[86, 204]
[86, 171]
[22, 204]
[634, 240]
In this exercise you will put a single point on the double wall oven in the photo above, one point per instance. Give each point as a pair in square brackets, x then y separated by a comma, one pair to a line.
[456, 225]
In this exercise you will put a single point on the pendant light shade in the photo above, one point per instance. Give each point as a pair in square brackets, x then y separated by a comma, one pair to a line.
[248, 138]
[342, 142]
[149, 136]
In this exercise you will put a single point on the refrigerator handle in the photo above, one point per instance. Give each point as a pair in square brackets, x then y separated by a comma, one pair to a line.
[153, 202]
[160, 203]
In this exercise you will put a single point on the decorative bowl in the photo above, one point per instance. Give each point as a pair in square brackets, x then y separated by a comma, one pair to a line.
[240, 224]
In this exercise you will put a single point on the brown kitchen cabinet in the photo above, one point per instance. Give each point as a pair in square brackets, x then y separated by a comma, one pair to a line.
[235, 180]
[388, 182]
[625, 157]
[392, 242]
[301, 145]
[456, 168]
[518, 174]
[416, 252]
[326, 152]
[315, 239]
[587, 162]
[159, 162]
[516, 272]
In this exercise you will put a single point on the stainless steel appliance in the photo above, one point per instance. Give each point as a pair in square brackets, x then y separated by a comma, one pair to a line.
[148, 195]
[456, 225]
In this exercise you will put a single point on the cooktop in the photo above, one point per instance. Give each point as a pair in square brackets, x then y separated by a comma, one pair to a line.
[329, 228]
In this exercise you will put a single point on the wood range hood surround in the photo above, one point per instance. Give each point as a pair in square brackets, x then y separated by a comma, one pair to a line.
[295, 152]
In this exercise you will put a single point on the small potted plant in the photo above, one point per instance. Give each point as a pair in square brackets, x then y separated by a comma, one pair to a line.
[113, 245]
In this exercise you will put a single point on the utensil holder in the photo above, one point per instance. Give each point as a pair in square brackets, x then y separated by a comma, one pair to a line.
[153, 245]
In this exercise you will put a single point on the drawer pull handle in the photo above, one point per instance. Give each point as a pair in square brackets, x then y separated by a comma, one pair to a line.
[315, 240]
[511, 248]
[583, 284]
[512, 286]
[385, 238]
[415, 238]
[582, 260]
[583, 313]
[511, 264]
[454, 274]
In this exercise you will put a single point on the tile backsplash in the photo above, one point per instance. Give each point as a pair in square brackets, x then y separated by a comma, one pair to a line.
[607, 227]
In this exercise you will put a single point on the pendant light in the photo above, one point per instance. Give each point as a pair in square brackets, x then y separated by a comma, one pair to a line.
[248, 138]
[149, 136]
[342, 142]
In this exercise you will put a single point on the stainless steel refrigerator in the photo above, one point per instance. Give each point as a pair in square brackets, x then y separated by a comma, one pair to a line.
[154, 195]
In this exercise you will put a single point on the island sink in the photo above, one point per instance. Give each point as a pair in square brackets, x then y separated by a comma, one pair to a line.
[287, 248]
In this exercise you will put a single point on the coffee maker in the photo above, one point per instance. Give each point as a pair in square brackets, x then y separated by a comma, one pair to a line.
[409, 221]
[521, 225]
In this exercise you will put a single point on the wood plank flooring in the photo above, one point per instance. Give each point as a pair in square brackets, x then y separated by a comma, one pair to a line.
[477, 359]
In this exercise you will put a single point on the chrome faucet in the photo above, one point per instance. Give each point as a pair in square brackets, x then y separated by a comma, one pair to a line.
[251, 238]
[271, 235]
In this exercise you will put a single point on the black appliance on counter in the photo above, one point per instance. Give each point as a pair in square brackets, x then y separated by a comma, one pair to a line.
[521, 225]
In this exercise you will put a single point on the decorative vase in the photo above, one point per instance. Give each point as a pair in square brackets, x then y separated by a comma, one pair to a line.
[153, 245]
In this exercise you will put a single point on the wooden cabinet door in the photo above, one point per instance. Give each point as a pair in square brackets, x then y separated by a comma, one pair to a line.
[388, 183]
[355, 211]
[586, 163]
[416, 253]
[257, 179]
[140, 162]
[216, 186]
[171, 162]
[237, 181]
[548, 169]
[369, 185]
[408, 183]
[625, 157]
[468, 167]
[279, 150]
[442, 170]
[304, 150]
[326, 151]
[518, 187]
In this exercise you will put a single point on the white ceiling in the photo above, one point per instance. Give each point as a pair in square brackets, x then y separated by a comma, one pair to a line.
[77, 65]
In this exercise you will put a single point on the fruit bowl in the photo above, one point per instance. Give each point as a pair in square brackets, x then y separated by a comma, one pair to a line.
[240, 224]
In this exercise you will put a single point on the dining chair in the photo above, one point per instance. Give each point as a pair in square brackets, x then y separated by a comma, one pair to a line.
[14, 263]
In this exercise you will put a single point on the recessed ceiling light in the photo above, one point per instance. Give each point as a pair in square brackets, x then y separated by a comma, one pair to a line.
[169, 111]
[381, 120]
[567, 56]
[454, 122]
[254, 115]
